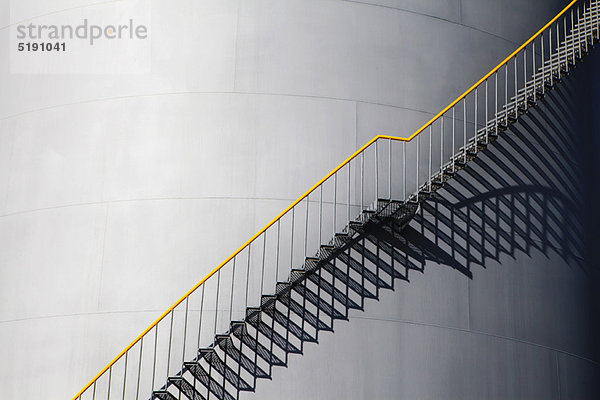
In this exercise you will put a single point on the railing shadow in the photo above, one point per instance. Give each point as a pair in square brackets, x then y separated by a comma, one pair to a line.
[523, 193]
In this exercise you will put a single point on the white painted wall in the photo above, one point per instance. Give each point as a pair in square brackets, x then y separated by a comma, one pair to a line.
[119, 191]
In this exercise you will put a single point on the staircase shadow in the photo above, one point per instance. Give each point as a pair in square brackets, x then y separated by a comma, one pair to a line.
[507, 202]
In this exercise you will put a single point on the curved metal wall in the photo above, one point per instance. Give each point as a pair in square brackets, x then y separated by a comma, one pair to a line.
[118, 192]
[504, 303]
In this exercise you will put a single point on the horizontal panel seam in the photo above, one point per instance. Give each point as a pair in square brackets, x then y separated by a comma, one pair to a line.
[479, 333]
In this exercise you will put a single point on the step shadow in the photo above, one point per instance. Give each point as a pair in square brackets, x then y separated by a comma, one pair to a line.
[522, 194]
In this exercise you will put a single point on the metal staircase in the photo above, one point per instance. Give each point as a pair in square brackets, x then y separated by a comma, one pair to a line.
[314, 263]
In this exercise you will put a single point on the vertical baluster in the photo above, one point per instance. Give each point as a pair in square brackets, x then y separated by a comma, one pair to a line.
[550, 56]
[154, 362]
[577, 36]
[404, 169]
[543, 67]
[184, 330]
[200, 316]
[465, 129]
[334, 204]
[109, 382]
[593, 17]
[486, 112]
[572, 45]
[516, 91]
[506, 94]
[376, 171]
[306, 226]
[475, 125]
[525, 76]
[585, 31]
[558, 56]
[292, 239]
[247, 277]
[430, 156]
[417, 169]
[588, 12]
[591, 11]
[217, 302]
[170, 342]
[591, 14]
[590, 21]
[453, 140]
[597, 24]
[390, 168]
[125, 375]
[276, 254]
[262, 268]
[349, 185]
[566, 44]
[233, 277]
[200, 322]
[137, 387]
[496, 100]
[441, 145]
[320, 214]
[581, 29]
[362, 180]
[596, 11]
[534, 73]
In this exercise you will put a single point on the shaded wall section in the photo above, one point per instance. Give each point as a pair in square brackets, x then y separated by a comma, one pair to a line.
[119, 192]
[499, 296]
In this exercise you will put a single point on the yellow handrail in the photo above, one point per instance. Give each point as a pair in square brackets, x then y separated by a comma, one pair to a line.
[507, 59]
[316, 185]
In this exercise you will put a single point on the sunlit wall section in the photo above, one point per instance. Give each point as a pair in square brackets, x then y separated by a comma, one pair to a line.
[122, 186]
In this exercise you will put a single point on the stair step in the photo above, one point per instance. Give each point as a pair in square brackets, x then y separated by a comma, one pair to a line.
[252, 313]
[186, 388]
[372, 257]
[258, 348]
[275, 337]
[425, 194]
[163, 395]
[471, 152]
[326, 251]
[301, 311]
[392, 208]
[282, 288]
[297, 275]
[205, 379]
[356, 226]
[366, 273]
[267, 300]
[289, 325]
[333, 291]
[341, 239]
[322, 305]
[448, 172]
[226, 344]
[218, 365]
[366, 215]
[311, 263]
[238, 327]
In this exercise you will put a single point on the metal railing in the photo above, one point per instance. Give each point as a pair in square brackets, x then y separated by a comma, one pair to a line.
[387, 167]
